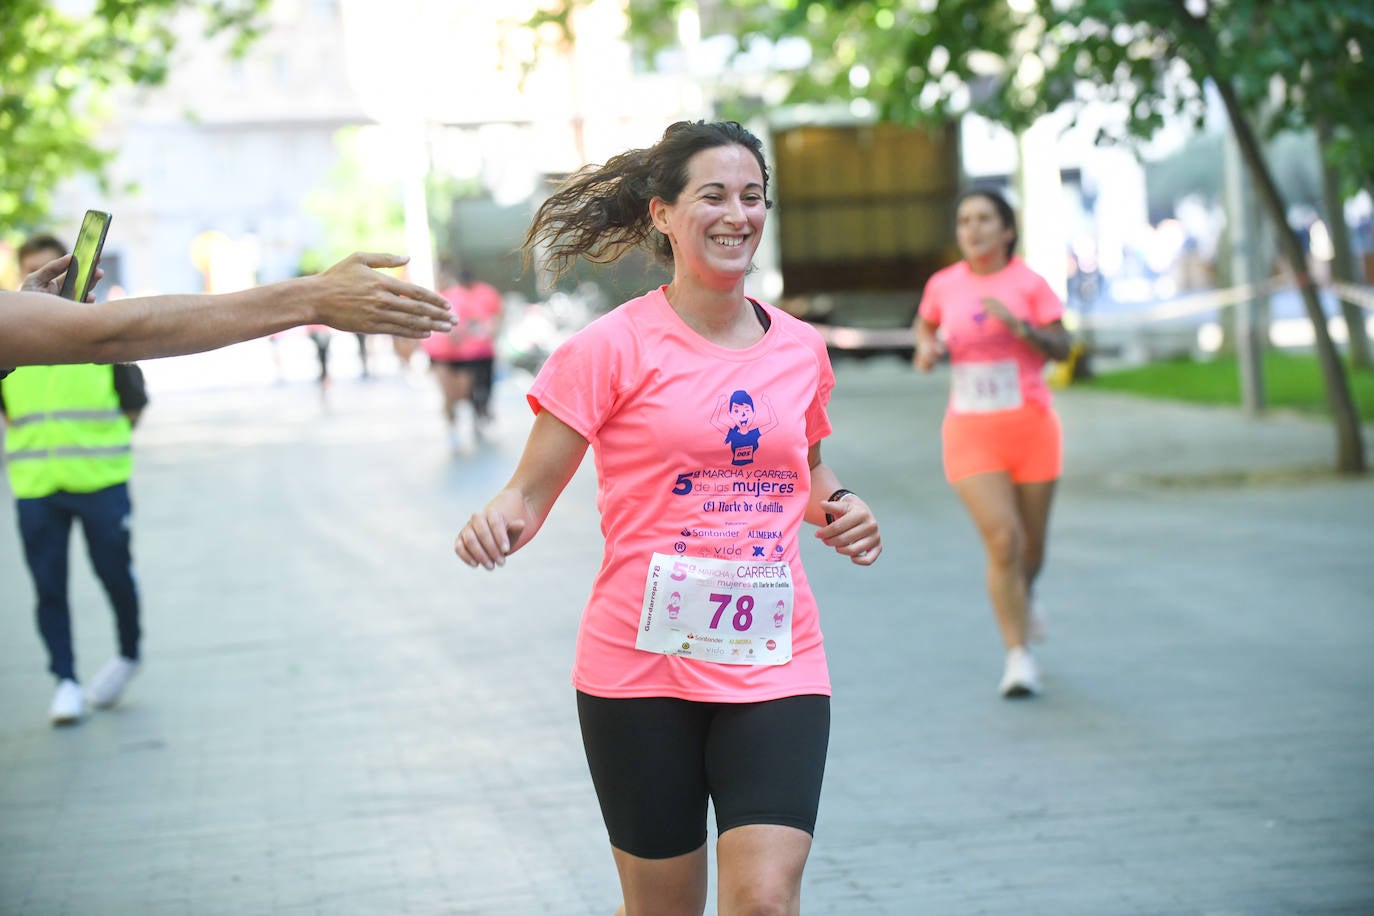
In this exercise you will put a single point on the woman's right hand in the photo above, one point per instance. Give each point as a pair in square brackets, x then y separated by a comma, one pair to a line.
[488, 538]
[928, 353]
[552, 453]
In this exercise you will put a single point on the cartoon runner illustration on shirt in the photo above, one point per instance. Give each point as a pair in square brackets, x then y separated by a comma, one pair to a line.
[736, 419]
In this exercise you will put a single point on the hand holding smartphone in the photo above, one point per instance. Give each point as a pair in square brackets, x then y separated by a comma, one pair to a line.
[90, 240]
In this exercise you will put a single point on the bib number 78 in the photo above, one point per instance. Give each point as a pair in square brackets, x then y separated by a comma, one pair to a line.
[744, 610]
[723, 611]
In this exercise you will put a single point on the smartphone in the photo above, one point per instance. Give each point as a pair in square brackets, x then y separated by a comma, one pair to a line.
[85, 256]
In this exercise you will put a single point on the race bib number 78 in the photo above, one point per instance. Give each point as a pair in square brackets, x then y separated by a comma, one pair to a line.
[725, 611]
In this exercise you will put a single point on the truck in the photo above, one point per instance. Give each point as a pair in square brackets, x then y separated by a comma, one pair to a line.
[866, 215]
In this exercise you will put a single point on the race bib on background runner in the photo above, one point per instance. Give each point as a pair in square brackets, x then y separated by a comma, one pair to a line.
[725, 611]
[985, 387]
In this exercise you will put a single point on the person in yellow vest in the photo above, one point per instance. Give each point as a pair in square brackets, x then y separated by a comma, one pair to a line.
[69, 456]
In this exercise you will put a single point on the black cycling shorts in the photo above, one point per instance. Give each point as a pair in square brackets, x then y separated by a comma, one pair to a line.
[655, 762]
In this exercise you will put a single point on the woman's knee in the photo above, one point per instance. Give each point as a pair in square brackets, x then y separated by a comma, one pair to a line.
[673, 887]
[761, 900]
[1005, 544]
[761, 869]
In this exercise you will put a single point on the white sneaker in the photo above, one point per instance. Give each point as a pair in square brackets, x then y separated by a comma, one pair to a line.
[1037, 627]
[1020, 678]
[109, 684]
[67, 705]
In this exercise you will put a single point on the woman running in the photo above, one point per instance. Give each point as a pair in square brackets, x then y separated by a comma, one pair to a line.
[1000, 322]
[700, 670]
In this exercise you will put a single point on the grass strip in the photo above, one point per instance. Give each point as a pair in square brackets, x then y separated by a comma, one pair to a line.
[1291, 381]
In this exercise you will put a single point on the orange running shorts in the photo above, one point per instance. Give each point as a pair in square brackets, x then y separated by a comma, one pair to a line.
[1026, 443]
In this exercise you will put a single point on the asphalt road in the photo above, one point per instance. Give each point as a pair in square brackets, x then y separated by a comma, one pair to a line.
[336, 717]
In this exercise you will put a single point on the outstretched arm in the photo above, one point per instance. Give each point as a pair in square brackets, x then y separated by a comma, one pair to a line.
[552, 454]
[41, 329]
[928, 346]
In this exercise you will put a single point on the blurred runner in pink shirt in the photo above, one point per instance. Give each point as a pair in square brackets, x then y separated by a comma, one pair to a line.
[999, 321]
[464, 359]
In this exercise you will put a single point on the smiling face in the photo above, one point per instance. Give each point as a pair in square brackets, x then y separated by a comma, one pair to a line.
[982, 235]
[743, 415]
[716, 222]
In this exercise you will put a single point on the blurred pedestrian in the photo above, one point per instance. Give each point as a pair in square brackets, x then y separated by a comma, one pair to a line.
[68, 451]
[700, 673]
[38, 328]
[477, 306]
[320, 336]
[1000, 322]
[464, 359]
[363, 369]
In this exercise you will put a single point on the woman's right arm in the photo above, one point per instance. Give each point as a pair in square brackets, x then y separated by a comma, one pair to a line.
[928, 347]
[552, 455]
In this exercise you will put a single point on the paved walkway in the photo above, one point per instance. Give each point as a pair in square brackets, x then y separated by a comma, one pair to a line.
[336, 717]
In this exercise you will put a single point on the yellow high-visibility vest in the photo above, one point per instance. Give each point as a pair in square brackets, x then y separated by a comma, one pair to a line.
[65, 430]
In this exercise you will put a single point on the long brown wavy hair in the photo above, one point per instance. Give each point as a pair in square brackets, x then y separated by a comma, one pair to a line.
[602, 211]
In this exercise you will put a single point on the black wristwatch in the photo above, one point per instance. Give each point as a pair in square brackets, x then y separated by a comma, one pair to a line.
[838, 495]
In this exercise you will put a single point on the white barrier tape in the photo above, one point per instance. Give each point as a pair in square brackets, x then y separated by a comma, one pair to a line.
[1182, 307]
[1362, 296]
[846, 338]
[850, 338]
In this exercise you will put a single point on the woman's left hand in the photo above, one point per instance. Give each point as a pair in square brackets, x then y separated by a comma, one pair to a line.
[854, 532]
[998, 309]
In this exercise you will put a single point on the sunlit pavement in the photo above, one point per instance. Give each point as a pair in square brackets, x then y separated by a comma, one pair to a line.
[336, 717]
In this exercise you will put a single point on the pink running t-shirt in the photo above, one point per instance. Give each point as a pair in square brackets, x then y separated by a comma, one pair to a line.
[679, 473]
[953, 302]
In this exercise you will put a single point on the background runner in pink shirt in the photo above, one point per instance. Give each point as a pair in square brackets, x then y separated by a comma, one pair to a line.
[464, 359]
[700, 669]
[999, 321]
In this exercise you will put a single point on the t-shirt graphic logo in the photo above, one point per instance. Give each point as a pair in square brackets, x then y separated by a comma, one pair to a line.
[736, 418]
[980, 315]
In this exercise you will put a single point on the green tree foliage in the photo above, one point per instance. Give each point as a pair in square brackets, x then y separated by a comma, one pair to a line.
[1275, 66]
[357, 211]
[57, 70]
[1292, 65]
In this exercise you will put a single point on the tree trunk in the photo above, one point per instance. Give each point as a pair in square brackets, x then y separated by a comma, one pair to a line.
[1349, 442]
[1343, 264]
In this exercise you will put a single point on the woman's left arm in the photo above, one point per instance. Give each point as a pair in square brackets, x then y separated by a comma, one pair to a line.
[1052, 339]
[846, 522]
